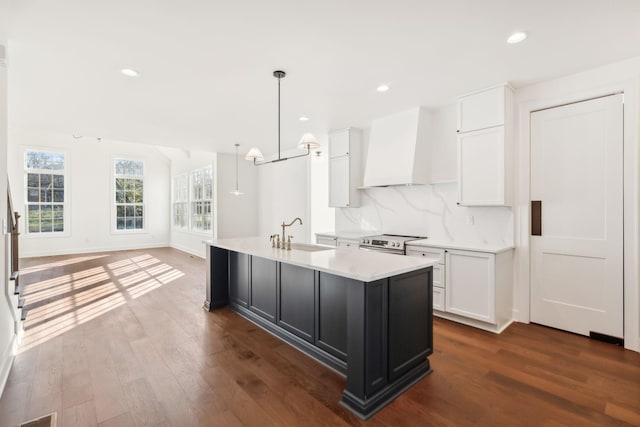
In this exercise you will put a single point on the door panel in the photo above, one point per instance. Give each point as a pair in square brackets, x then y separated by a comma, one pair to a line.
[576, 173]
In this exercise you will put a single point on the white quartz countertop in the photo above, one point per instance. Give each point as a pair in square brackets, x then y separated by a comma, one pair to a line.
[353, 264]
[356, 235]
[478, 247]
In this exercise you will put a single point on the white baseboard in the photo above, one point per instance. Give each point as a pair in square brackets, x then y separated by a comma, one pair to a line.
[187, 250]
[6, 362]
[88, 250]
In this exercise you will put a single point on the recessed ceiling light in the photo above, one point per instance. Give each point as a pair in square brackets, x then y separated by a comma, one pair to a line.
[516, 37]
[129, 72]
[382, 88]
[304, 119]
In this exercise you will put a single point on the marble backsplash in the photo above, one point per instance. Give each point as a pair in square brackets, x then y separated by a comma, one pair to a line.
[427, 210]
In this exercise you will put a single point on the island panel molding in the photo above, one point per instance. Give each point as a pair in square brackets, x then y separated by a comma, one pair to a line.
[379, 333]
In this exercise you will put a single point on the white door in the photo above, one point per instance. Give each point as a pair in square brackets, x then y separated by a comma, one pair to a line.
[576, 174]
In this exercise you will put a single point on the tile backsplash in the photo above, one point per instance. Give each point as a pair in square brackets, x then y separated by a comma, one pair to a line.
[427, 210]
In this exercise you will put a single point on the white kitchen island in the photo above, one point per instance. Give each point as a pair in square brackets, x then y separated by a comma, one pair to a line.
[366, 315]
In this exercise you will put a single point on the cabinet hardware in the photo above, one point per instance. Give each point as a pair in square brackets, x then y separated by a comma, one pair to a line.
[536, 217]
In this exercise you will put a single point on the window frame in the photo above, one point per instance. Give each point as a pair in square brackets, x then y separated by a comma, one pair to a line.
[114, 205]
[66, 216]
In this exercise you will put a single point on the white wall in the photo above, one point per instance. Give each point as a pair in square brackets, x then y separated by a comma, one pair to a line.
[234, 216]
[89, 225]
[7, 335]
[237, 215]
[619, 77]
[283, 195]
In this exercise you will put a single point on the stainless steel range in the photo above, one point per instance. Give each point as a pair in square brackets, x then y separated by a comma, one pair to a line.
[389, 243]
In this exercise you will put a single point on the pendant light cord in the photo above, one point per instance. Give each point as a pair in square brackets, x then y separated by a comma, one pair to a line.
[279, 117]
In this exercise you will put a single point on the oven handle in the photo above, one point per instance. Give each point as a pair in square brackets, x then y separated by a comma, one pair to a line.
[384, 250]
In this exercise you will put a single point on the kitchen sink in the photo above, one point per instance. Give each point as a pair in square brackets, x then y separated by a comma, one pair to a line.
[310, 248]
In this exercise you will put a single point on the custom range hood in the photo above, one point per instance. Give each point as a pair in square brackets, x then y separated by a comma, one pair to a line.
[398, 150]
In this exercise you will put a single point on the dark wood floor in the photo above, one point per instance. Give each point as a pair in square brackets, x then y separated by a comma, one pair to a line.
[120, 339]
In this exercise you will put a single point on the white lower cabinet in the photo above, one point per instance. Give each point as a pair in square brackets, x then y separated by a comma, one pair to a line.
[471, 287]
[470, 279]
[438, 298]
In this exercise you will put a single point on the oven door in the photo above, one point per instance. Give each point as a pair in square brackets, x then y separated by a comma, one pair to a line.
[383, 250]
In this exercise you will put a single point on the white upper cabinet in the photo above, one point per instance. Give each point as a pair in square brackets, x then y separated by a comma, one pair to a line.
[482, 109]
[339, 142]
[345, 174]
[484, 147]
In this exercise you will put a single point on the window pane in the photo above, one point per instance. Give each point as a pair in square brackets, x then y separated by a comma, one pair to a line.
[128, 223]
[120, 224]
[129, 211]
[46, 196]
[32, 195]
[33, 180]
[138, 210]
[120, 166]
[129, 196]
[119, 184]
[58, 225]
[58, 196]
[138, 223]
[138, 195]
[45, 180]
[58, 181]
[120, 211]
[34, 219]
[119, 196]
[58, 212]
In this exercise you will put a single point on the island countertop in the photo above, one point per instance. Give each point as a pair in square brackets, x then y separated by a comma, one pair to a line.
[354, 264]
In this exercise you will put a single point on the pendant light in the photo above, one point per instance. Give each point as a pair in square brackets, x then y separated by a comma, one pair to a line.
[306, 143]
[236, 192]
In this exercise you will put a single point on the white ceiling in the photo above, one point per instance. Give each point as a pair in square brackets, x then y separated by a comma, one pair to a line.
[206, 66]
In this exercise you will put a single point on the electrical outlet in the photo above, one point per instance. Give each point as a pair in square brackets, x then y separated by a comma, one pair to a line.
[470, 220]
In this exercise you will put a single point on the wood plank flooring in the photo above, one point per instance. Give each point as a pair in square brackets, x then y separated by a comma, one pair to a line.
[120, 339]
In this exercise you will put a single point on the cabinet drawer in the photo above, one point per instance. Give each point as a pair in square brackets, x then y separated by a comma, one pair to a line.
[347, 243]
[438, 299]
[438, 276]
[427, 253]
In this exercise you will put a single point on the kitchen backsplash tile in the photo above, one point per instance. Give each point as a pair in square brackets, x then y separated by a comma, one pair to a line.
[427, 210]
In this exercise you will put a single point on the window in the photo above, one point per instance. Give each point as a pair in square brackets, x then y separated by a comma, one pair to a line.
[129, 194]
[45, 191]
[181, 201]
[201, 198]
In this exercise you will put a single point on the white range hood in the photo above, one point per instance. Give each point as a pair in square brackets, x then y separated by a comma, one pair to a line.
[398, 150]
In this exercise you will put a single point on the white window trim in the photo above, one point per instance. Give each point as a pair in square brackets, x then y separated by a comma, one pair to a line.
[112, 201]
[67, 192]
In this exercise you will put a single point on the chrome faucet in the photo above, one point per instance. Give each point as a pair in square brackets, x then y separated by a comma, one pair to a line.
[288, 225]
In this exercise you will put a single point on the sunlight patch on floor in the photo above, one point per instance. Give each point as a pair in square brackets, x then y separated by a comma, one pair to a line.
[81, 296]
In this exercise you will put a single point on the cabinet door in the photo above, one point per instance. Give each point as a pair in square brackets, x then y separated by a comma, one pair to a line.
[297, 301]
[339, 143]
[239, 278]
[438, 276]
[470, 290]
[264, 275]
[481, 110]
[332, 314]
[339, 185]
[481, 168]
[323, 240]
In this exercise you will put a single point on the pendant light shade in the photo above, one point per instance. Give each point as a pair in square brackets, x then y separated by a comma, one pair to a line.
[237, 192]
[254, 154]
[308, 141]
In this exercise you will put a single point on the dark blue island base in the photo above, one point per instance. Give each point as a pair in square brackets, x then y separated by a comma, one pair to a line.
[378, 334]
